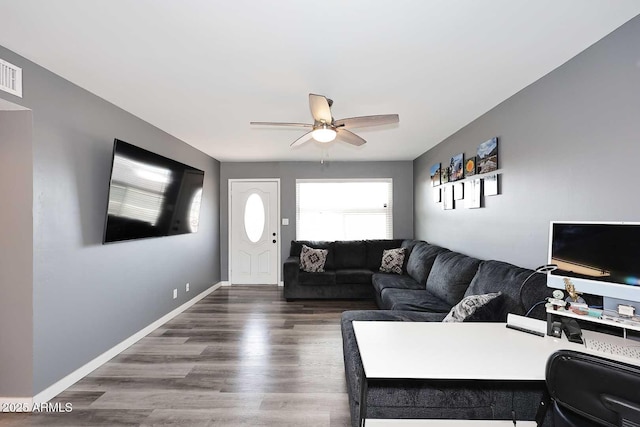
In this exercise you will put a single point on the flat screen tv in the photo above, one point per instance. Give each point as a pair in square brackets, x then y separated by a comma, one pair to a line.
[600, 258]
[150, 195]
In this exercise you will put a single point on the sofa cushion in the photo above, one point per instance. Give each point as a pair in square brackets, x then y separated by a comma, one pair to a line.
[350, 254]
[413, 299]
[392, 260]
[353, 275]
[450, 276]
[498, 276]
[296, 249]
[313, 279]
[421, 260]
[312, 260]
[382, 281]
[468, 306]
[375, 249]
[408, 245]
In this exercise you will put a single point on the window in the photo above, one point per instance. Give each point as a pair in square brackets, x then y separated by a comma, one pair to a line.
[254, 218]
[344, 209]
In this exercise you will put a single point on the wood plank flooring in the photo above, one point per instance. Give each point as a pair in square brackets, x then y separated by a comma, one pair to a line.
[242, 356]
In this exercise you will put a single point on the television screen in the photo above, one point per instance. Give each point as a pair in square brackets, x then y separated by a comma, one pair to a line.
[606, 252]
[150, 195]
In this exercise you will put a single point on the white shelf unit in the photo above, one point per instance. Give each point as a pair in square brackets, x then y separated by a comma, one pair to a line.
[624, 324]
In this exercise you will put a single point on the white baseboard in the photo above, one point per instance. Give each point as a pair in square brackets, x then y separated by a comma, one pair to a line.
[66, 382]
[227, 283]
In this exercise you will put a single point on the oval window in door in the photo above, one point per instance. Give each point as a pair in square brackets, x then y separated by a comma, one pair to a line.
[254, 217]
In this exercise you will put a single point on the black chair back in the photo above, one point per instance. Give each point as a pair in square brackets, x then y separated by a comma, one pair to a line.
[588, 390]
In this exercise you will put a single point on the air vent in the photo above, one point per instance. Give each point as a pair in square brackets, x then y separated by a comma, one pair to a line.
[10, 78]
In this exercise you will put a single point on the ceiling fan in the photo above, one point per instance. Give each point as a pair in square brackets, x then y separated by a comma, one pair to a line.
[325, 128]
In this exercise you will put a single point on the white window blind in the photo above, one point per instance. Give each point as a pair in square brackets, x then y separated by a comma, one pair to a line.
[344, 209]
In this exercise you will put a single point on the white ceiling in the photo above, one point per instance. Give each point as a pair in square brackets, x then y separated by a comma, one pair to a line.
[202, 69]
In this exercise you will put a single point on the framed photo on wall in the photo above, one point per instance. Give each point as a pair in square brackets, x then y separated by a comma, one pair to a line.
[470, 167]
[491, 185]
[435, 174]
[457, 168]
[488, 156]
[444, 174]
[447, 197]
[473, 193]
[458, 191]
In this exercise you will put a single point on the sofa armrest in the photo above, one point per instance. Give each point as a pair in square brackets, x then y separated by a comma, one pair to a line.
[351, 353]
[290, 272]
[291, 267]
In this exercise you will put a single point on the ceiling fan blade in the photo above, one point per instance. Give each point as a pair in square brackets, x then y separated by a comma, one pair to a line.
[320, 109]
[304, 125]
[349, 137]
[304, 138]
[364, 121]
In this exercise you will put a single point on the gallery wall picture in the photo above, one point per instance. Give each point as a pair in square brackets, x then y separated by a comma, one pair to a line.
[470, 167]
[473, 192]
[488, 156]
[491, 185]
[435, 174]
[436, 195]
[458, 191]
[447, 197]
[456, 167]
[444, 175]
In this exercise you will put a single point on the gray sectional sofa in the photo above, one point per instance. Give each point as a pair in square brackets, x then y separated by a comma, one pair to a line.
[445, 399]
[349, 269]
[434, 279]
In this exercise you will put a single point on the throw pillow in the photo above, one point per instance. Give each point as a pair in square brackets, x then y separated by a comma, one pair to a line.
[392, 260]
[312, 260]
[468, 306]
[495, 310]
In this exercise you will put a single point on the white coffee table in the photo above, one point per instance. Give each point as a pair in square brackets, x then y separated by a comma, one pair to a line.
[451, 351]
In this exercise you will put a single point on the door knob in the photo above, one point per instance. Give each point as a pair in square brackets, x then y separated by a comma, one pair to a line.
[274, 240]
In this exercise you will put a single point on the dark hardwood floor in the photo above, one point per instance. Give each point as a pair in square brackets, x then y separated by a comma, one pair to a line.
[242, 356]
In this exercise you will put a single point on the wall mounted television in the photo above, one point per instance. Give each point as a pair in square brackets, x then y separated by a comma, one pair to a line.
[600, 258]
[150, 195]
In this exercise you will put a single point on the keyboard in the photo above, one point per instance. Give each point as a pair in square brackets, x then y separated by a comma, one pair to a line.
[632, 351]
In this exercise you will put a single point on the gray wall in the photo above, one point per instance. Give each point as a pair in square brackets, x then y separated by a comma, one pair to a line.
[88, 297]
[401, 173]
[568, 147]
[16, 247]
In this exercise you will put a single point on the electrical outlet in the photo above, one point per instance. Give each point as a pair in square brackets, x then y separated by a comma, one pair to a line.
[175, 293]
[187, 287]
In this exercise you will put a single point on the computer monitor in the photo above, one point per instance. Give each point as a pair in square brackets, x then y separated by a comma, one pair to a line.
[600, 258]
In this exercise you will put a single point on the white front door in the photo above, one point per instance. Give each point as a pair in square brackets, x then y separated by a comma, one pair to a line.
[254, 219]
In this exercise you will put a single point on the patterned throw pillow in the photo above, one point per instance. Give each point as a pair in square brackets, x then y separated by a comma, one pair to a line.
[392, 260]
[312, 260]
[468, 306]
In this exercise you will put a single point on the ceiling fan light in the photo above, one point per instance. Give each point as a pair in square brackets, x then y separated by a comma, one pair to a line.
[324, 134]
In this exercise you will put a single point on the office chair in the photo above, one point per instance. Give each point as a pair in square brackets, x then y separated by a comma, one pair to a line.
[588, 390]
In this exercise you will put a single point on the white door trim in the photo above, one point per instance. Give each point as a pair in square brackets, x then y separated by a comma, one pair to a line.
[278, 240]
